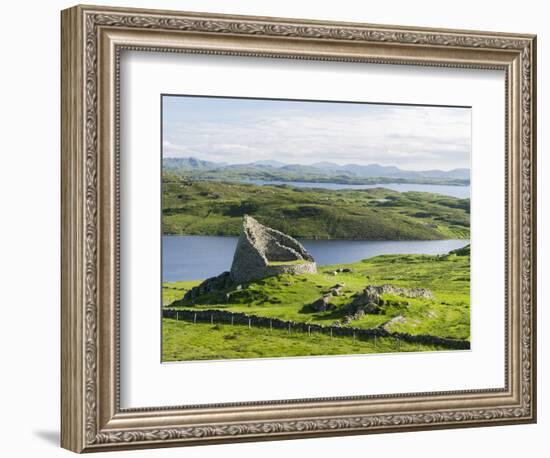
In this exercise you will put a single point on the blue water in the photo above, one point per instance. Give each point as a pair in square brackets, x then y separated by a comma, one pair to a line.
[461, 192]
[197, 257]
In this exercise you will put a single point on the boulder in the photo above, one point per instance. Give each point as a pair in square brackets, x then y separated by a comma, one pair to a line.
[336, 290]
[209, 285]
[370, 295]
[322, 304]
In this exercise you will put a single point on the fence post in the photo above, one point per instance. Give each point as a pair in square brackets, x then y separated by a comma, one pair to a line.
[249, 321]
[195, 318]
[177, 316]
[331, 333]
[232, 318]
[309, 330]
[211, 318]
[270, 325]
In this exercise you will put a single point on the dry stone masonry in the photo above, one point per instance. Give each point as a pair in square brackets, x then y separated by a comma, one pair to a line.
[264, 252]
[261, 252]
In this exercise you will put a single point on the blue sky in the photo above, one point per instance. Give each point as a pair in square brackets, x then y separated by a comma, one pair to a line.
[247, 130]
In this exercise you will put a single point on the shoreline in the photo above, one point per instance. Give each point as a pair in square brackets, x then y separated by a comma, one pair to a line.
[325, 239]
[322, 266]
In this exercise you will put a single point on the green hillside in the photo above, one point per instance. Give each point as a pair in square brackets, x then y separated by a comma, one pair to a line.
[217, 208]
[289, 297]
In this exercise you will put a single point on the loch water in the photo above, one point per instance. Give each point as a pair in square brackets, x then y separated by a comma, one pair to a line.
[197, 257]
[460, 192]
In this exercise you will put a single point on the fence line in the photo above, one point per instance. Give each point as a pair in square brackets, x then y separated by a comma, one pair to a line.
[225, 317]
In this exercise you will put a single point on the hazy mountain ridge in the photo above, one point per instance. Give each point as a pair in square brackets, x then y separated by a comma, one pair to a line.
[322, 171]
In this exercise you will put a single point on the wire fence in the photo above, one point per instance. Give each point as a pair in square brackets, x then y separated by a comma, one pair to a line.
[236, 318]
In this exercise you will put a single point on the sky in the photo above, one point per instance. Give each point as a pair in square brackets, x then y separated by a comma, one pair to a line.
[238, 130]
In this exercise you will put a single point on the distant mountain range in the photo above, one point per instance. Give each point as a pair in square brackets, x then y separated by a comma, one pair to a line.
[320, 171]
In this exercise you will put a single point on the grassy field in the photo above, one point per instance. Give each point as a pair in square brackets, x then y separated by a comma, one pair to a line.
[288, 297]
[182, 341]
[217, 208]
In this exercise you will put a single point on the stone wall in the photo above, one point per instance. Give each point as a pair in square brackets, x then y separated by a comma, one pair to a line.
[225, 317]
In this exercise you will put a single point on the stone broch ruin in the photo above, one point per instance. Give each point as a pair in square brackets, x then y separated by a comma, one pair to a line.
[264, 252]
[261, 252]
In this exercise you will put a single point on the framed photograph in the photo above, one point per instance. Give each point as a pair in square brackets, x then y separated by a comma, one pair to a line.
[279, 228]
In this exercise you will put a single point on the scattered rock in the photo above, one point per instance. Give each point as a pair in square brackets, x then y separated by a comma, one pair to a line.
[322, 304]
[369, 301]
[372, 308]
[395, 320]
[336, 290]
[209, 285]
[405, 292]
[372, 293]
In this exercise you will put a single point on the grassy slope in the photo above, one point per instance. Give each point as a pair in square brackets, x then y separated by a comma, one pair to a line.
[182, 341]
[217, 208]
[286, 296]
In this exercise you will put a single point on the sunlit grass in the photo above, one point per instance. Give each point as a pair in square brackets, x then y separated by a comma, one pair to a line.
[287, 296]
[183, 341]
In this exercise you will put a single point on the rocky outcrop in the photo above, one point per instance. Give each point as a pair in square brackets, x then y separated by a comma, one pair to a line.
[209, 285]
[336, 290]
[264, 252]
[369, 301]
[322, 304]
[371, 294]
[405, 292]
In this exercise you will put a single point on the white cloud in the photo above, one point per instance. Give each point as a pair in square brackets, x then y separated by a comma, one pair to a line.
[409, 137]
[169, 147]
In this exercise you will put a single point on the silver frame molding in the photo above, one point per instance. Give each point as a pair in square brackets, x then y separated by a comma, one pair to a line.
[92, 40]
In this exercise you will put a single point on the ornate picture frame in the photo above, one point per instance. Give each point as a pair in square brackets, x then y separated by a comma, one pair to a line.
[92, 41]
